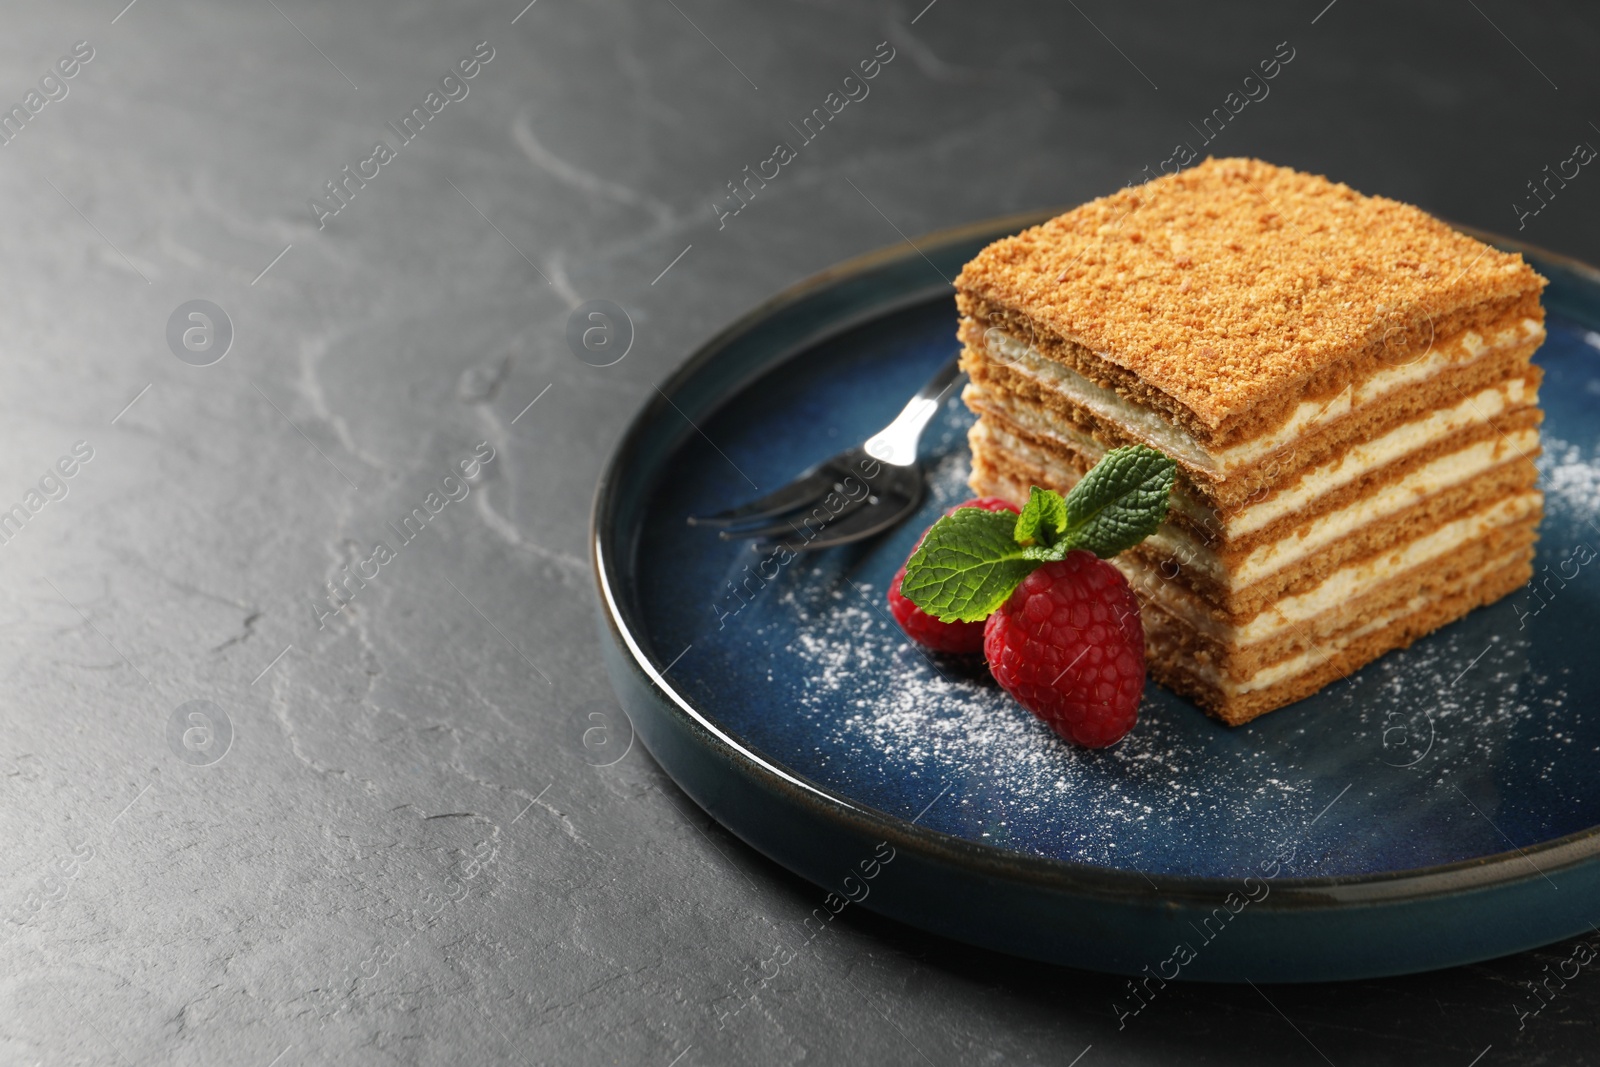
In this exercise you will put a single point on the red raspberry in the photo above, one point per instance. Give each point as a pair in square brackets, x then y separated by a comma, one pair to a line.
[1068, 645]
[923, 628]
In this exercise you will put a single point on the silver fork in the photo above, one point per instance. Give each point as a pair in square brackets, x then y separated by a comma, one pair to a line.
[860, 492]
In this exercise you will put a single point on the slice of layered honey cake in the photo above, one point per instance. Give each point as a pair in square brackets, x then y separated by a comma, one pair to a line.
[1344, 382]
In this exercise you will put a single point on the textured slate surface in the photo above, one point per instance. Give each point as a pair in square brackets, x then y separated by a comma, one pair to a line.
[406, 853]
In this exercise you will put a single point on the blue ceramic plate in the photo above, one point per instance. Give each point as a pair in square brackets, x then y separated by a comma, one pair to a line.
[1438, 807]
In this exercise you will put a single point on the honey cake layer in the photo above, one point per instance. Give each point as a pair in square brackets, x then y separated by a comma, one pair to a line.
[1053, 402]
[1234, 287]
[1297, 564]
[1437, 562]
[1171, 665]
[1015, 340]
[1353, 480]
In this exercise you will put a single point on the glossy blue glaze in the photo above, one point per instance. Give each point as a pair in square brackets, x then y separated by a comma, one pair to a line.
[1479, 741]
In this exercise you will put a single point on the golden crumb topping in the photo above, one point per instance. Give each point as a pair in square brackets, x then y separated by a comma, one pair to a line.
[1231, 282]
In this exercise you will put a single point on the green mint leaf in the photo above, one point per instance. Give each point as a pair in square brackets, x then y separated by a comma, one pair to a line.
[1121, 501]
[972, 560]
[1048, 553]
[1043, 519]
[967, 566]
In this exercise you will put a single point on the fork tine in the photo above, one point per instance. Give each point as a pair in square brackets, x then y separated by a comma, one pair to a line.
[803, 490]
[890, 509]
[784, 527]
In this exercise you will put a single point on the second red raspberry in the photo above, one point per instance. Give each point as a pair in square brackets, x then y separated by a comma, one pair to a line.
[923, 628]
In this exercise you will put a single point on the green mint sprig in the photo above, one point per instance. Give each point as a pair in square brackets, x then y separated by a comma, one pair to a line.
[970, 561]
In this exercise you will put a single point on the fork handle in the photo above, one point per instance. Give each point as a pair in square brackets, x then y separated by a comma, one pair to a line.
[896, 443]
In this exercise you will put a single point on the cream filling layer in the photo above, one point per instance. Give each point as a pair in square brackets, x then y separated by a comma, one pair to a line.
[1154, 429]
[984, 432]
[1332, 593]
[1314, 483]
[1301, 662]
[1397, 443]
[1185, 551]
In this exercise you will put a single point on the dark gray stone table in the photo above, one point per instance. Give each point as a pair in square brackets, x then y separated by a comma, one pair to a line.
[379, 837]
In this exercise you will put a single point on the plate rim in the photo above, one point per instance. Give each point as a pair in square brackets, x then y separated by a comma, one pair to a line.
[1406, 886]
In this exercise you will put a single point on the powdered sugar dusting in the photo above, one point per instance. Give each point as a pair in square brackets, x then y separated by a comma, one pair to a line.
[882, 706]
[1570, 476]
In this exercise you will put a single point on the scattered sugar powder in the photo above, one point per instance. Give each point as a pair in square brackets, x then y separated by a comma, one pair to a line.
[893, 725]
[1570, 478]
